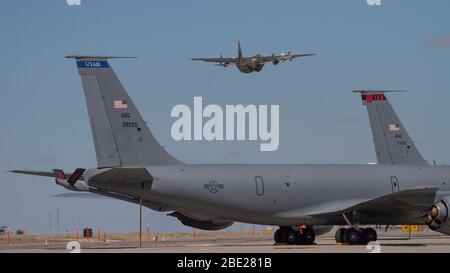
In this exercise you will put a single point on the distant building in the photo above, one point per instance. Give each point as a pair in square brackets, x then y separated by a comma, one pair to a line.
[21, 232]
[3, 230]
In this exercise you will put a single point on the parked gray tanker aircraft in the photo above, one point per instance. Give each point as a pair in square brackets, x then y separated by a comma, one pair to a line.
[305, 200]
[251, 64]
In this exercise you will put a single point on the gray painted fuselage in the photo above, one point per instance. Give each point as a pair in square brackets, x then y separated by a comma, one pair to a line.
[290, 192]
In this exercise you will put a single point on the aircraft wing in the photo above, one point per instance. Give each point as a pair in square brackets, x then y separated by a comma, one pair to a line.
[398, 203]
[406, 201]
[42, 173]
[217, 60]
[303, 55]
[283, 57]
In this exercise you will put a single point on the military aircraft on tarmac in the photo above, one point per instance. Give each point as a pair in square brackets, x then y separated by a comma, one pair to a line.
[251, 64]
[304, 200]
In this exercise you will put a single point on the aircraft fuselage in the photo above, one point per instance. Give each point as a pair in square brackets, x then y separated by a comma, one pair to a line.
[281, 195]
[251, 65]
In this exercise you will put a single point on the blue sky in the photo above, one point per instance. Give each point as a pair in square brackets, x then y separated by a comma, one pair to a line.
[403, 44]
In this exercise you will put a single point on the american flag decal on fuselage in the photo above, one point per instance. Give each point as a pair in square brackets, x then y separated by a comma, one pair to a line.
[394, 127]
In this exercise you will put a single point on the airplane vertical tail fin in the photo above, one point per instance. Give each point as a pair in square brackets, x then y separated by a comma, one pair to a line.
[239, 51]
[121, 136]
[392, 143]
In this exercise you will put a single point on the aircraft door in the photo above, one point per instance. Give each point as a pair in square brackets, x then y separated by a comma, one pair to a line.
[259, 185]
[395, 184]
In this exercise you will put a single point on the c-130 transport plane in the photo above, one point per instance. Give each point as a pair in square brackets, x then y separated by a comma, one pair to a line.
[251, 64]
[304, 200]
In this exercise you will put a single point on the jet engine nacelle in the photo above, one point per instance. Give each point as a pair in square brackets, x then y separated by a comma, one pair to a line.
[439, 216]
[201, 224]
[275, 62]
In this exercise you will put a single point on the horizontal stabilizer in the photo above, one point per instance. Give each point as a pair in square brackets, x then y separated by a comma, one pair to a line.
[100, 194]
[86, 195]
[43, 173]
[120, 177]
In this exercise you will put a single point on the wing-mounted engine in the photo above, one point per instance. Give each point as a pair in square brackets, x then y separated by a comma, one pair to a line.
[286, 57]
[258, 67]
[212, 224]
[71, 182]
[438, 218]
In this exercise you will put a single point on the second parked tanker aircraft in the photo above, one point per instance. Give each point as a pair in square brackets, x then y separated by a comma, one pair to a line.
[304, 200]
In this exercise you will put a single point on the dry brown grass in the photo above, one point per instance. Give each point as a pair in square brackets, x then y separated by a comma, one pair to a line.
[27, 239]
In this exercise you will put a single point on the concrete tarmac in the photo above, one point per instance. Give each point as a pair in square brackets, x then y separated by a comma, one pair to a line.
[390, 242]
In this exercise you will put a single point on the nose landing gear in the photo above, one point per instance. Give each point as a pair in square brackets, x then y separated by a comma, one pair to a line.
[294, 236]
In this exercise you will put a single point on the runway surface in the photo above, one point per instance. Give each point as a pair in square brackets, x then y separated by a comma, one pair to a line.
[390, 242]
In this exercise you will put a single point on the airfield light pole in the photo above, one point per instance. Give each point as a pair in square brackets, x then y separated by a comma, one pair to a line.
[50, 223]
[9, 236]
[140, 215]
[57, 221]
[140, 221]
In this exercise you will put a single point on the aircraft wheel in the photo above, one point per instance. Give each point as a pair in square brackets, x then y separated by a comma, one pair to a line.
[368, 235]
[339, 236]
[307, 237]
[351, 236]
[277, 236]
[289, 236]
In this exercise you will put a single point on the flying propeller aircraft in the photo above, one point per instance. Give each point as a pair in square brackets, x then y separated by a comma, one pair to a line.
[251, 64]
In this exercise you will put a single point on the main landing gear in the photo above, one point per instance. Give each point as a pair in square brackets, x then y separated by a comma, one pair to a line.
[294, 236]
[353, 236]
